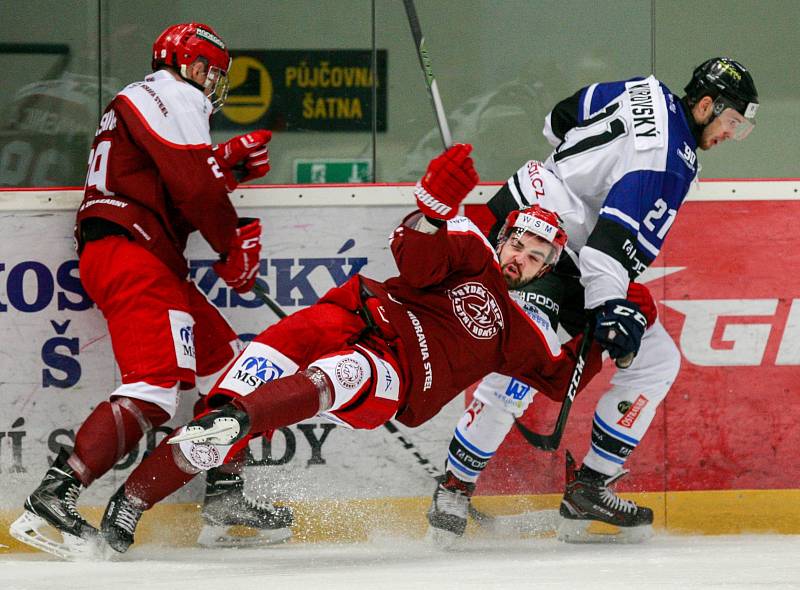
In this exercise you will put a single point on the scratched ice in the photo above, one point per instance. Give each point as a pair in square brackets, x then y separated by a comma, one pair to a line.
[388, 563]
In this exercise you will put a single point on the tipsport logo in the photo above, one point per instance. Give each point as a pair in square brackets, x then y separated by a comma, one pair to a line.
[256, 370]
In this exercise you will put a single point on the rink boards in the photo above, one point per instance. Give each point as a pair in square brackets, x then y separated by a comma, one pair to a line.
[720, 456]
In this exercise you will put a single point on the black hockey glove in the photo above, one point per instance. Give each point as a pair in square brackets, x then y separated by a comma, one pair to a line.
[619, 327]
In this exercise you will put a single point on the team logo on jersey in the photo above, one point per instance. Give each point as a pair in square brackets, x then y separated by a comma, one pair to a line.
[631, 411]
[535, 178]
[688, 156]
[541, 301]
[204, 456]
[261, 368]
[258, 364]
[477, 309]
[531, 309]
[517, 389]
[387, 375]
[187, 335]
[182, 327]
[349, 373]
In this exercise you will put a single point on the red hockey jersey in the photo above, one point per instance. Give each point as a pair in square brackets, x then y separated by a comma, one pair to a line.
[152, 172]
[457, 321]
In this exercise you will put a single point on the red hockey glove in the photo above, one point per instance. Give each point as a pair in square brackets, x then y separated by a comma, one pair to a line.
[244, 157]
[446, 183]
[239, 267]
[641, 296]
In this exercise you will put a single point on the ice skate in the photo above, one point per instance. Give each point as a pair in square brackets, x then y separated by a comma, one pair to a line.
[588, 500]
[120, 520]
[447, 515]
[233, 519]
[53, 504]
[223, 426]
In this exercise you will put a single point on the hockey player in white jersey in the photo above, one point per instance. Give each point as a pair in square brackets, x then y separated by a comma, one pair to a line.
[624, 160]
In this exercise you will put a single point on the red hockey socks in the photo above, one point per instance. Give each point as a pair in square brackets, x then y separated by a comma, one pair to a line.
[272, 405]
[158, 475]
[279, 403]
[109, 433]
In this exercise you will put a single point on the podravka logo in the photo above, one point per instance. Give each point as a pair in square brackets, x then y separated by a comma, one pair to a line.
[477, 310]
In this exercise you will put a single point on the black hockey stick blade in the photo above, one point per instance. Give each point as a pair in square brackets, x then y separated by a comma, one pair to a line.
[550, 442]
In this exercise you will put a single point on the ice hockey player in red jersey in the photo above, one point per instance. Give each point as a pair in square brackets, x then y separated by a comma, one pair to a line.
[368, 351]
[153, 179]
[625, 157]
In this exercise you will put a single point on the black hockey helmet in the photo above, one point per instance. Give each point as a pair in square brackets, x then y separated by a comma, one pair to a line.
[726, 81]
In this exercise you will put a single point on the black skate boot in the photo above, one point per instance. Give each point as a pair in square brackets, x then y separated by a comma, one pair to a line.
[447, 515]
[588, 499]
[54, 503]
[227, 507]
[120, 520]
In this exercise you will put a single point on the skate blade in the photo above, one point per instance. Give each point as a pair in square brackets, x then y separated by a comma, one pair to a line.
[204, 435]
[441, 539]
[239, 536]
[592, 531]
[31, 530]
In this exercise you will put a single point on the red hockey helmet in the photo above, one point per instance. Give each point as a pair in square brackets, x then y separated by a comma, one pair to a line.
[541, 222]
[179, 46]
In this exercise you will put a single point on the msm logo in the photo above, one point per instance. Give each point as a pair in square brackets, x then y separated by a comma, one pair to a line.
[186, 335]
[257, 370]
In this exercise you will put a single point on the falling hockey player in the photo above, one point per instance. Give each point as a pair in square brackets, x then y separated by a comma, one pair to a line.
[368, 351]
[153, 179]
[625, 158]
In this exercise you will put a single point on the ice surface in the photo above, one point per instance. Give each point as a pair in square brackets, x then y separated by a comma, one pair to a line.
[388, 563]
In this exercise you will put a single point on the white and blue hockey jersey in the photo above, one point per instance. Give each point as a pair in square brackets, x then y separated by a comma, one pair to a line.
[624, 160]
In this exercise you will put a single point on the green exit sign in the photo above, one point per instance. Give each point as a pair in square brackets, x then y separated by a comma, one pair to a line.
[332, 171]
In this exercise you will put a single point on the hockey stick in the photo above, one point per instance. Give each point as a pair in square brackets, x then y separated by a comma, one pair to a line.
[429, 467]
[534, 522]
[550, 442]
[430, 81]
[261, 293]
